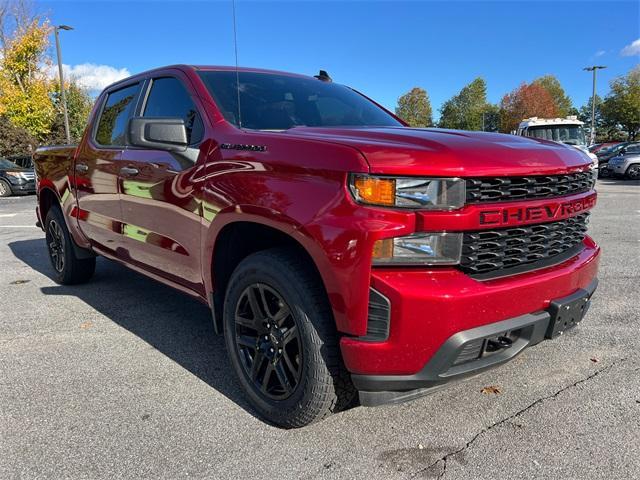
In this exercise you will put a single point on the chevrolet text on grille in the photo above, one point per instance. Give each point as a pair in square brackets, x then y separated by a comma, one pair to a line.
[551, 211]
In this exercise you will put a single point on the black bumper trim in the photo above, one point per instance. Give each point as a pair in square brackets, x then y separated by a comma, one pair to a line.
[531, 329]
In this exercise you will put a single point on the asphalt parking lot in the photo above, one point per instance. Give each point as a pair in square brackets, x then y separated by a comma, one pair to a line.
[123, 377]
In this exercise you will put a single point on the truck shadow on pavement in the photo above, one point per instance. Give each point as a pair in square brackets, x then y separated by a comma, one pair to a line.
[178, 326]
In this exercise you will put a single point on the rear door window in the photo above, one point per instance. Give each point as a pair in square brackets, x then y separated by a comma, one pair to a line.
[117, 110]
[169, 98]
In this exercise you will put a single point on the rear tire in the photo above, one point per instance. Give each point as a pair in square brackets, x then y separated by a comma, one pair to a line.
[5, 189]
[68, 269]
[633, 172]
[282, 341]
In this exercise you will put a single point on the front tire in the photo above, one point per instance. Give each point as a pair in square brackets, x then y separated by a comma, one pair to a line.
[633, 172]
[282, 342]
[68, 269]
[5, 189]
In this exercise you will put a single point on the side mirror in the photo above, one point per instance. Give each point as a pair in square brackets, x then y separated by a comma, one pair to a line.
[622, 151]
[159, 133]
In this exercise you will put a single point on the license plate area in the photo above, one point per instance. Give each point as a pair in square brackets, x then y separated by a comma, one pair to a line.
[567, 312]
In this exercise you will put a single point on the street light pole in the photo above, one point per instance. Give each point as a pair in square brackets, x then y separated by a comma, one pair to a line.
[593, 69]
[63, 95]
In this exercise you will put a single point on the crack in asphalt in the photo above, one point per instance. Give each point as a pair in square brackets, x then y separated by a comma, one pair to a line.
[446, 457]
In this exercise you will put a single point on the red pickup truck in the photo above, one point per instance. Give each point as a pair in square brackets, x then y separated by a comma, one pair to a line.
[341, 251]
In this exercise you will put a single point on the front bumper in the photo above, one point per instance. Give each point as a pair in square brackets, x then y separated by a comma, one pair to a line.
[468, 352]
[429, 308]
[25, 187]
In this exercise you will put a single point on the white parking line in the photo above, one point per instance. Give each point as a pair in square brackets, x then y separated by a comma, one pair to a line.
[19, 226]
[4, 215]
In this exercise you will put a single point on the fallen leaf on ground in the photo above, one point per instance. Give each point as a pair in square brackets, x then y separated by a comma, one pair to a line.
[594, 359]
[491, 390]
[86, 325]
[19, 282]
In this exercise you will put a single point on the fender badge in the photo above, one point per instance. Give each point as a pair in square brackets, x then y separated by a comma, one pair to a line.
[241, 146]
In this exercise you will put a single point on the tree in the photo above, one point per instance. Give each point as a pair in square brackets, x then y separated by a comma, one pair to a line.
[14, 140]
[414, 108]
[24, 86]
[528, 100]
[605, 129]
[564, 105]
[622, 104]
[468, 109]
[79, 104]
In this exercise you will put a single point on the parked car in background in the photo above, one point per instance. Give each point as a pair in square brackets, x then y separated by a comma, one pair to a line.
[598, 147]
[627, 164]
[15, 179]
[24, 161]
[607, 154]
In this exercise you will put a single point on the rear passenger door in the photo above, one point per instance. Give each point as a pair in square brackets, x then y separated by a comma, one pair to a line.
[97, 168]
[161, 215]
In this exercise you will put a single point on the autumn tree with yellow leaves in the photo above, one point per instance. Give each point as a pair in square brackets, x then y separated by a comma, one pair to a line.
[30, 105]
[24, 86]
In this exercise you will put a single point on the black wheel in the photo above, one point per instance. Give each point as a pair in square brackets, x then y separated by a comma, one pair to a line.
[633, 172]
[282, 341]
[5, 189]
[604, 172]
[68, 269]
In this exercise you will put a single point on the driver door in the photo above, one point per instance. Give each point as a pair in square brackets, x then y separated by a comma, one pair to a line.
[160, 212]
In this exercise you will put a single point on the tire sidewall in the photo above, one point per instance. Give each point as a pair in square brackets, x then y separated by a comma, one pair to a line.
[631, 169]
[55, 214]
[5, 189]
[247, 274]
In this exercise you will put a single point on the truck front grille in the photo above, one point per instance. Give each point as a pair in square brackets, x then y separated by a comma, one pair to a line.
[500, 189]
[501, 250]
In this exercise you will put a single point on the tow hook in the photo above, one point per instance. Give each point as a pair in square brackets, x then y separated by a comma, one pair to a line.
[499, 343]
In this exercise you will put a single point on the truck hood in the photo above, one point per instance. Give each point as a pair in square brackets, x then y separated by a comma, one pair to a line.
[438, 152]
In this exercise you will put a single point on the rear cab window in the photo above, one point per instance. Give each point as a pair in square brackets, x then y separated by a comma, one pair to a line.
[118, 108]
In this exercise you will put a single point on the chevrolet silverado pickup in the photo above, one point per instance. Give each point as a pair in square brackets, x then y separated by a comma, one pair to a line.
[344, 255]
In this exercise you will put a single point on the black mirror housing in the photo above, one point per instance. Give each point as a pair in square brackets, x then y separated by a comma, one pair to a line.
[158, 133]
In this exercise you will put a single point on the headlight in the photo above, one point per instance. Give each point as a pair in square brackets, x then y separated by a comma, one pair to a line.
[19, 176]
[409, 192]
[419, 249]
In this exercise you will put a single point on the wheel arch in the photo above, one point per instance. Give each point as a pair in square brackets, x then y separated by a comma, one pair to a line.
[47, 198]
[235, 238]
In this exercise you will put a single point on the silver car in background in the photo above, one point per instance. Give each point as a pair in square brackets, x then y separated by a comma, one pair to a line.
[627, 164]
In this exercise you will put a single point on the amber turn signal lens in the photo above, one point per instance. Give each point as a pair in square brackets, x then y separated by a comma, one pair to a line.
[383, 249]
[376, 191]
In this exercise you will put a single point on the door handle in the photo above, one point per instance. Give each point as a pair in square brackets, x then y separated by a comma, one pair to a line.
[82, 167]
[130, 171]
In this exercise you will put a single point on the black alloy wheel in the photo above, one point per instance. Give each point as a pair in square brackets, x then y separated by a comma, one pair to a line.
[70, 263]
[55, 243]
[282, 339]
[268, 341]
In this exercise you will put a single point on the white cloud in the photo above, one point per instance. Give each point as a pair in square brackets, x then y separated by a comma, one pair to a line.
[91, 76]
[632, 49]
[599, 53]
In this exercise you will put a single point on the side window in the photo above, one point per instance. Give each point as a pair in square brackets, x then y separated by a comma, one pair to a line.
[117, 110]
[633, 149]
[169, 98]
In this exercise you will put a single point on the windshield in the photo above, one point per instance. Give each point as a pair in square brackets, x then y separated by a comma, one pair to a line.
[6, 164]
[279, 102]
[569, 134]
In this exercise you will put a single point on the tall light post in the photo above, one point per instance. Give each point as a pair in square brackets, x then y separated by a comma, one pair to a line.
[593, 69]
[62, 92]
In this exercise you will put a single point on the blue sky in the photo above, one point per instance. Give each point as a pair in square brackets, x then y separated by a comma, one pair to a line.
[380, 48]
